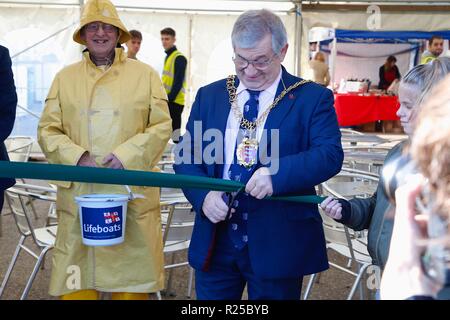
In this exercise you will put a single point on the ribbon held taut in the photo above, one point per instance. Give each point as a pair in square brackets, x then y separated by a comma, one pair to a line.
[59, 172]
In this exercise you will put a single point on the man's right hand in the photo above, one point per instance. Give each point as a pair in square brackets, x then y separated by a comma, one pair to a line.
[332, 208]
[214, 208]
[86, 161]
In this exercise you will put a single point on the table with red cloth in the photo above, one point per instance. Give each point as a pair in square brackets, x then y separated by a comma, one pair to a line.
[355, 109]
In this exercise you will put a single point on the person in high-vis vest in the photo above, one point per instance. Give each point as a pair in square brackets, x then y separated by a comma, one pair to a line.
[174, 79]
[435, 49]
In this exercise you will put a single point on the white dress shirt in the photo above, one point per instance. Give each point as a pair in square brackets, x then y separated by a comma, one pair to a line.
[266, 98]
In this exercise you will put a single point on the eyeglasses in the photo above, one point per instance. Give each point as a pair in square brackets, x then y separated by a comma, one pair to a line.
[259, 64]
[94, 27]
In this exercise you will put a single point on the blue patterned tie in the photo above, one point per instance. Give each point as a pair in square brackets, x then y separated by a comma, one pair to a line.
[237, 225]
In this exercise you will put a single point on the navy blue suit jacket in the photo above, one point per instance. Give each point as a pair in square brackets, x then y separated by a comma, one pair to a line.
[285, 239]
[8, 103]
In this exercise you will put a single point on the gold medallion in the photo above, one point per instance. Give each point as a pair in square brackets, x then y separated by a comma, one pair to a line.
[246, 152]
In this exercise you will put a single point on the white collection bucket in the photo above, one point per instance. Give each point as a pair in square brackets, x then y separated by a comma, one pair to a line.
[102, 218]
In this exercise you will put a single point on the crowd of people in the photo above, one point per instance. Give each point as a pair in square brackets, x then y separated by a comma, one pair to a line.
[113, 111]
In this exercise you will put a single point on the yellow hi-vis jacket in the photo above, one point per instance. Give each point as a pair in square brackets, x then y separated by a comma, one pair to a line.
[123, 111]
[168, 77]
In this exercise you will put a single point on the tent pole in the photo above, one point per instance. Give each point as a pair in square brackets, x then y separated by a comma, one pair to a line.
[333, 61]
[298, 37]
[41, 41]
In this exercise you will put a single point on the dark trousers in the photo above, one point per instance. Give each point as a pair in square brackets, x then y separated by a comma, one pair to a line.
[2, 199]
[175, 110]
[230, 270]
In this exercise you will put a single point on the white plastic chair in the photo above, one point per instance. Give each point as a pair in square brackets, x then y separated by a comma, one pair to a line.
[352, 137]
[177, 222]
[369, 158]
[342, 240]
[19, 148]
[363, 172]
[350, 132]
[18, 199]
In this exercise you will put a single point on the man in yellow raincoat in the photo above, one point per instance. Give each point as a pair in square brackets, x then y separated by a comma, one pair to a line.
[106, 111]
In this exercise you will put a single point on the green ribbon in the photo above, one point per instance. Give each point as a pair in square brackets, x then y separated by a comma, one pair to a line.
[59, 172]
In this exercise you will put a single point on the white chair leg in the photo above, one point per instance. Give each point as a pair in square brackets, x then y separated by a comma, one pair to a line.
[11, 265]
[191, 277]
[158, 295]
[349, 263]
[361, 287]
[33, 274]
[43, 263]
[309, 286]
[318, 276]
[357, 281]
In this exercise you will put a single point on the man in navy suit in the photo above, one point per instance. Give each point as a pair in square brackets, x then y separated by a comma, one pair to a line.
[278, 135]
[8, 102]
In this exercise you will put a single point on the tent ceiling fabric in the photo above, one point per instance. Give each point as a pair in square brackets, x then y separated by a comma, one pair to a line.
[167, 5]
[408, 2]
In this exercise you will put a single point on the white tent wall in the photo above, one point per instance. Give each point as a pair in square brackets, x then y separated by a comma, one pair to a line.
[36, 54]
[205, 39]
[203, 36]
[150, 24]
[22, 27]
[212, 50]
[358, 20]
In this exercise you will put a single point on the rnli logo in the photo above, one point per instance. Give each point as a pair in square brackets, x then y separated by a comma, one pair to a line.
[111, 217]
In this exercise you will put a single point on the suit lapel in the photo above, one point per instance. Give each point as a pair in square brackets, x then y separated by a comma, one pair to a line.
[281, 110]
[222, 110]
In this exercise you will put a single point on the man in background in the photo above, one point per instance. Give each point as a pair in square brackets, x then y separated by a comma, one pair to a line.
[8, 103]
[174, 79]
[134, 44]
[435, 49]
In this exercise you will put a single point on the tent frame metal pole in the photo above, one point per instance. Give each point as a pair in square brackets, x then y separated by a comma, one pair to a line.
[43, 40]
[298, 37]
[333, 61]
[52, 4]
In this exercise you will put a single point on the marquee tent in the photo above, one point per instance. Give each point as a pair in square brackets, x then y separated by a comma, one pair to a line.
[38, 34]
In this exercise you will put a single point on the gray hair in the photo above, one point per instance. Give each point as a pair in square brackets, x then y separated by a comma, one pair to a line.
[253, 25]
[426, 76]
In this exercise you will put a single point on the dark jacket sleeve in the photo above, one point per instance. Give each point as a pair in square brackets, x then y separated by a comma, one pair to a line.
[8, 96]
[360, 212]
[180, 71]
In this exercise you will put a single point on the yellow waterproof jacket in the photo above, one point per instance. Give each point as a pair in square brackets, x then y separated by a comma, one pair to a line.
[122, 110]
